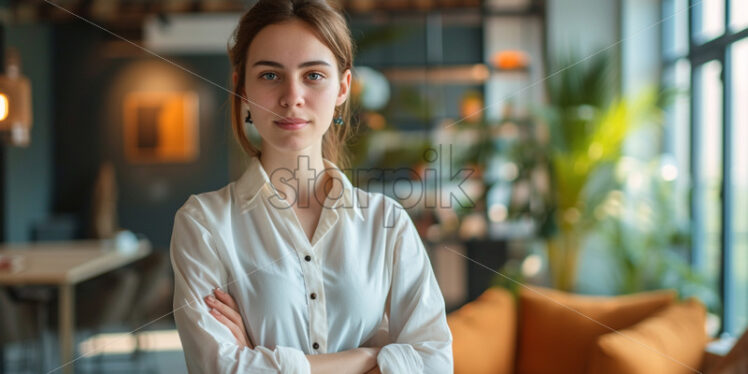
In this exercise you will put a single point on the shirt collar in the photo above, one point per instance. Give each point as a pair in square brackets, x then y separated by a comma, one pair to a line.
[255, 179]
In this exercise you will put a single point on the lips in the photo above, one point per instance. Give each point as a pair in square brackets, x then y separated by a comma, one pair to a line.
[291, 123]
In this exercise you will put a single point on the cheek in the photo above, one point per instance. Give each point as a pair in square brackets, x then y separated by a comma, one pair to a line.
[254, 92]
[325, 98]
[261, 105]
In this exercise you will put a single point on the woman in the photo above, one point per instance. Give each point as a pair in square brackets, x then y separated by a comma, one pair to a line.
[290, 268]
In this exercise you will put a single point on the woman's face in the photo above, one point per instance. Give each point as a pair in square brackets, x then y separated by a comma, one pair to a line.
[293, 86]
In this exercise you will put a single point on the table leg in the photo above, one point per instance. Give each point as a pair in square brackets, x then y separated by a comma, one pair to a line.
[2, 358]
[67, 297]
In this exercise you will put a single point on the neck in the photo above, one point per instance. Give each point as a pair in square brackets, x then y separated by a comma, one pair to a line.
[298, 176]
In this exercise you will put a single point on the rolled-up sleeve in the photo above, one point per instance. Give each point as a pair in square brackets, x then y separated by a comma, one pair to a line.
[420, 338]
[209, 346]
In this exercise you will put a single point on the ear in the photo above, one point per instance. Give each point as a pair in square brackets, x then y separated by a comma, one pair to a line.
[234, 79]
[345, 87]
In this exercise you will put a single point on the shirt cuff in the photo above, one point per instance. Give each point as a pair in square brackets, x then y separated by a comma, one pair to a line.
[399, 358]
[293, 361]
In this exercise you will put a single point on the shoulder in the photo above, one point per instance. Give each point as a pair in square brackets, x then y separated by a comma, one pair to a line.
[377, 206]
[208, 206]
[197, 224]
[384, 215]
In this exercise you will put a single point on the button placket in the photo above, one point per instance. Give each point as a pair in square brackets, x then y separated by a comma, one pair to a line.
[316, 291]
[311, 273]
[313, 281]
[317, 308]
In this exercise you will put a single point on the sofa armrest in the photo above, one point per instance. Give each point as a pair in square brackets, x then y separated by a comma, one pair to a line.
[710, 360]
[726, 356]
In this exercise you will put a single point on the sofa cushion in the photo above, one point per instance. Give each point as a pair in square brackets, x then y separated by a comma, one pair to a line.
[557, 330]
[483, 334]
[669, 342]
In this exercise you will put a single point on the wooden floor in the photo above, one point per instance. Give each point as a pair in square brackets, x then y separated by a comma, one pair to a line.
[24, 358]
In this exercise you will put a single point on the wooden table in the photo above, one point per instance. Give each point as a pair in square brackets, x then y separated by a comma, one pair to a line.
[63, 265]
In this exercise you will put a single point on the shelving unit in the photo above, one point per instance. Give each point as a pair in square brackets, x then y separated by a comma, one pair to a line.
[434, 55]
[442, 56]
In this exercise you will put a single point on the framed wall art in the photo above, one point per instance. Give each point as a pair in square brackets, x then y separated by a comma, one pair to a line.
[161, 127]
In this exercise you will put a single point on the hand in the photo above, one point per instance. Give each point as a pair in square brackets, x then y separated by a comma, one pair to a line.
[374, 371]
[224, 309]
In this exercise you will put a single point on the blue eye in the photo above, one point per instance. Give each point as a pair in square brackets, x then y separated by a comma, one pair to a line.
[268, 76]
[317, 75]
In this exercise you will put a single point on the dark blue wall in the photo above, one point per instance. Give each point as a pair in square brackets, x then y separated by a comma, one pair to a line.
[88, 96]
[28, 171]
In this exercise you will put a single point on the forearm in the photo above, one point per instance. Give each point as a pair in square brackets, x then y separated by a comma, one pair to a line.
[354, 361]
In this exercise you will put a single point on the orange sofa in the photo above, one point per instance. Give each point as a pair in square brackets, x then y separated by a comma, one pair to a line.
[544, 331]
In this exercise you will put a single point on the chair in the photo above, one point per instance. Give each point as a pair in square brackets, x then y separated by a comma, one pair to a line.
[22, 319]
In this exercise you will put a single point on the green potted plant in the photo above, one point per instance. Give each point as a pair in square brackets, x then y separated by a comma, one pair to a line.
[588, 124]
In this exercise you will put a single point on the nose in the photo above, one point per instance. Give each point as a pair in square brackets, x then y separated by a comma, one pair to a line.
[293, 94]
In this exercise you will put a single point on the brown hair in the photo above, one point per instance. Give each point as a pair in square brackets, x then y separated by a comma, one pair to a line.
[331, 29]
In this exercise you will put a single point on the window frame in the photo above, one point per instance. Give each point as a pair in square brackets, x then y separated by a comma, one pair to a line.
[698, 54]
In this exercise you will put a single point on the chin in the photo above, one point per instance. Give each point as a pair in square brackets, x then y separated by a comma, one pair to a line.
[292, 144]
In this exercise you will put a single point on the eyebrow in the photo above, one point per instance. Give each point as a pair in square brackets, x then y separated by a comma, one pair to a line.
[279, 65]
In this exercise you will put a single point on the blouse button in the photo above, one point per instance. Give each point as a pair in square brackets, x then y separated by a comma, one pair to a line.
[315, 345]
[313, 295]
[308, 258]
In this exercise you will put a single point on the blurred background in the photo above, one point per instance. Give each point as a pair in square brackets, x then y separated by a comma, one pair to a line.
[592, 147]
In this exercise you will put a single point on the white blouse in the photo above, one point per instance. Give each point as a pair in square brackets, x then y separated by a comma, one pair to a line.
[364, 280]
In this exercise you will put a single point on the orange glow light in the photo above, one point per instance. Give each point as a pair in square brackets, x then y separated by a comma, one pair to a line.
[509, 60]
[4, 107]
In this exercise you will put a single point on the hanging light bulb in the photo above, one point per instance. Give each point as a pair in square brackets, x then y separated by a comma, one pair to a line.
[15, 103]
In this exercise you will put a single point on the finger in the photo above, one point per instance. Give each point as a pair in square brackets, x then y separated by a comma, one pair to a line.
[223, 320]
[228, 323]
[249, 343]
[232, 314]
[225, 298]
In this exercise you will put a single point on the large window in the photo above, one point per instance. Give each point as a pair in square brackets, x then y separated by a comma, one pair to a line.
[738, 261]
[705, 51]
